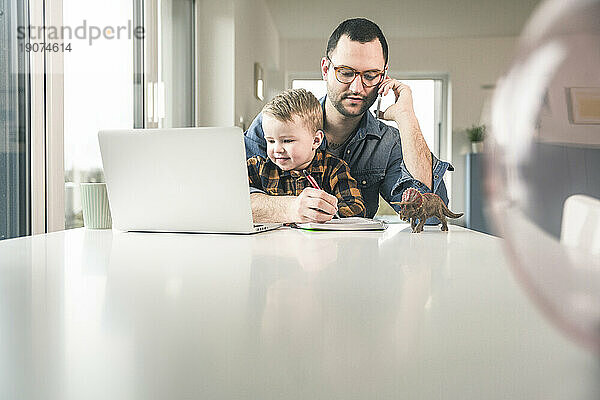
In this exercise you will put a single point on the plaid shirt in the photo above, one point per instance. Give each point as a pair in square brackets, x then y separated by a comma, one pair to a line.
[331, 173]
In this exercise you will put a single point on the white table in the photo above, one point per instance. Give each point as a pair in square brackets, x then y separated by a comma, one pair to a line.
[286, 314]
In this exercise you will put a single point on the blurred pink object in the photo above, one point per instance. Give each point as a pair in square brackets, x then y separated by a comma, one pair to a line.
[542, 162]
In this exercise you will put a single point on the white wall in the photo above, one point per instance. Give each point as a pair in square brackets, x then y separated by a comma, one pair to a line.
[256, 40]
[579, 70]
[216, 58]
[469, 62]
[233, 35]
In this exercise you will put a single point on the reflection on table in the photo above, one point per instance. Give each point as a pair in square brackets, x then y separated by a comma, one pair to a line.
[286, 314]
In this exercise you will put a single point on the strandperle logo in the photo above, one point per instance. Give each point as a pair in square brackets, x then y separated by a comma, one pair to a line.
[83, 31]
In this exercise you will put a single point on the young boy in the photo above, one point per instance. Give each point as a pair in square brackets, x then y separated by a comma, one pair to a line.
[293, 128]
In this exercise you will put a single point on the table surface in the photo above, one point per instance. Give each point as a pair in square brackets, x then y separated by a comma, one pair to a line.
[286, 314]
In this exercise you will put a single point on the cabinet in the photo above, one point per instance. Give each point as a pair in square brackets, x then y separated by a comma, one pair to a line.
[475, 217]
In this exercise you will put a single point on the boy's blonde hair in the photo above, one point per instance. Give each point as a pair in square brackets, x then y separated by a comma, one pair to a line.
[300, 102]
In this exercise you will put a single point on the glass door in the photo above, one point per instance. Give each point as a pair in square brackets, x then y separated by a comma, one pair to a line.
[135, 69]
[98, 88]
[169, 63]
[15, 199]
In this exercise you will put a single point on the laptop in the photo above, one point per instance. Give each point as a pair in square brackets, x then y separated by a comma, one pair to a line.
[178, 180]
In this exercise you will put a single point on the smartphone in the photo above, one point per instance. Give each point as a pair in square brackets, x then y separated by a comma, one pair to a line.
[379, 96]
[378, 106]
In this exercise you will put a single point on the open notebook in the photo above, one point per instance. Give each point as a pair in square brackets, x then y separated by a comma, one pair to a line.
[345, 224]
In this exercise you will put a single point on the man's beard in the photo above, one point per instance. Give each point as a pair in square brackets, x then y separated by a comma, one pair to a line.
[367, 102]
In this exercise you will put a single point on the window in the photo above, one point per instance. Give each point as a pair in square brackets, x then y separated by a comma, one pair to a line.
[427, 98]
[429, 94]
[15, 201]
[141, 80]
[98, 91]
[169, 63]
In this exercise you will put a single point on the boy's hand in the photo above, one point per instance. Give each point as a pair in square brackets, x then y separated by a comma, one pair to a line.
[313, 205]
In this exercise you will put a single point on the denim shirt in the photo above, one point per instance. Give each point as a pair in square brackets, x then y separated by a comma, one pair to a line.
[374, 155]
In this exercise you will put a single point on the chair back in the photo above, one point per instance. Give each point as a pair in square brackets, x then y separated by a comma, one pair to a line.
[580, 226]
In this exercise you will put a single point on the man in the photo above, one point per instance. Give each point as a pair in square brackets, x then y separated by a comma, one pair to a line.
[383, 160]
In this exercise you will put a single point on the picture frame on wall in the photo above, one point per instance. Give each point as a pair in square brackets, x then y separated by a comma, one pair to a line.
[584, 105]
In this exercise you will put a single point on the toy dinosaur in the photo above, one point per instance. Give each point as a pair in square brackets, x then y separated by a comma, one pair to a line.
[419, 207]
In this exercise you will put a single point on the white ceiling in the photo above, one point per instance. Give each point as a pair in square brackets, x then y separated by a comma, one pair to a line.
[316, 19]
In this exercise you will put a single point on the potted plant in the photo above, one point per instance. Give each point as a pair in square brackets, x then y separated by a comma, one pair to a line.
[476, 135]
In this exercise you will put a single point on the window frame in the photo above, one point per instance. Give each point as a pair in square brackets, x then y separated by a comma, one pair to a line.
[443, 137]
[15, 139]
[47, 173]
[47, 122]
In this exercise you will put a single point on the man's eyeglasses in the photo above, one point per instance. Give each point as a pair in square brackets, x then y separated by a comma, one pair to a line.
[347, 75]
